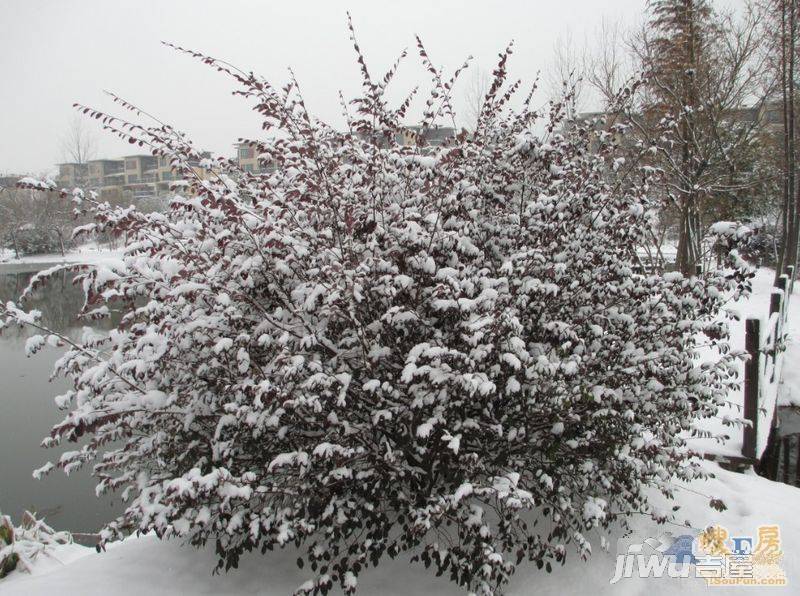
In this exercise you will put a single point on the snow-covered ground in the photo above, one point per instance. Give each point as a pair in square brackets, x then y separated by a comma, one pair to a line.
[789, 395]
[757, 306]
[91, 252]
[146, 565]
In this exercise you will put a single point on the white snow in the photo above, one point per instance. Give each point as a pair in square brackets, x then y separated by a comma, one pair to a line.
[145, 565]
[89, 253]
[757, 305]
[789, 393]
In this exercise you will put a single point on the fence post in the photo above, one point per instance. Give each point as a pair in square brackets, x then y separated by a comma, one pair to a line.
[752, 386]
[797, 466]
[776, 301]
[774, 442]
[786, 455]
[769, 463]
[783, 285]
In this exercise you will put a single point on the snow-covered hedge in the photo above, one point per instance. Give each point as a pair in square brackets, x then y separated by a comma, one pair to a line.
[375, 348]
[32, 240]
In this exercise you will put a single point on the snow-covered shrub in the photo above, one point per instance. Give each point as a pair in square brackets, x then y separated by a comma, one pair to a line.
[33, 240]
[374, 348]
[8, 561]
[755, 243]
[19, 546]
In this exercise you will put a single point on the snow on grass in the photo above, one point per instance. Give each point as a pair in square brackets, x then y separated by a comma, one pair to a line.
[789, 395]
[145, 565]
[91, 252]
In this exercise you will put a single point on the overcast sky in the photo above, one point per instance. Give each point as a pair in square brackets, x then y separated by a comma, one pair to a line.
[57, 52]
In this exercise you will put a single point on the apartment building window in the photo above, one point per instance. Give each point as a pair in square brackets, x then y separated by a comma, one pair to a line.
[166, 176]
[246, 153]
[133, 178]
[130, 164]
[248, 167]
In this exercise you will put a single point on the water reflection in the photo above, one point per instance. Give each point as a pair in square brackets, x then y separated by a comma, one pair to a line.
[27, 412]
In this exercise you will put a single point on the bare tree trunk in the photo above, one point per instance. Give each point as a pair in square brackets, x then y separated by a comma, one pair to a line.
[684, 258]
[60, 240]
[689, 238]
[689, 241]
[792, 238]
[16, 246]
[791, 198]
[785, 109]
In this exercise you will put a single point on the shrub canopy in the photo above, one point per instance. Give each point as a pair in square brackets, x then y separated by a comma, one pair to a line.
[375, 347]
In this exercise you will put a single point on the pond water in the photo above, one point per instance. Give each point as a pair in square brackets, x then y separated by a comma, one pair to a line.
[27, 412]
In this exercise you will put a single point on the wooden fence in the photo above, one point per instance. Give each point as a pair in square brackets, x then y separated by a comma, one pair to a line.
[762, 377]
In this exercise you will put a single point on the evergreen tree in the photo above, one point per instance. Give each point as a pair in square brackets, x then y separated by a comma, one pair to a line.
[680, 59]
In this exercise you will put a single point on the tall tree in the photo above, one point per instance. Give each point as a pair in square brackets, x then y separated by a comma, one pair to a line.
[701, 70]
[780, 35]
[679, 59]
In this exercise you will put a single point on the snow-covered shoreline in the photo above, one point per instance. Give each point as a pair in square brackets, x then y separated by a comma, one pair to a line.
[147, 565]
[87, 253]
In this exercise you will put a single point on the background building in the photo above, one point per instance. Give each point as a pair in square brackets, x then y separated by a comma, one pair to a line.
[131, 177]
[72, 174]
[144, 176]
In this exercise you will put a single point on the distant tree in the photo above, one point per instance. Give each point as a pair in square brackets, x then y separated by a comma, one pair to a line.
[34, 221]
[12, 218]
[567, 72]
[377, 349]
[609, 64]
[79, 144]
[478, 87]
